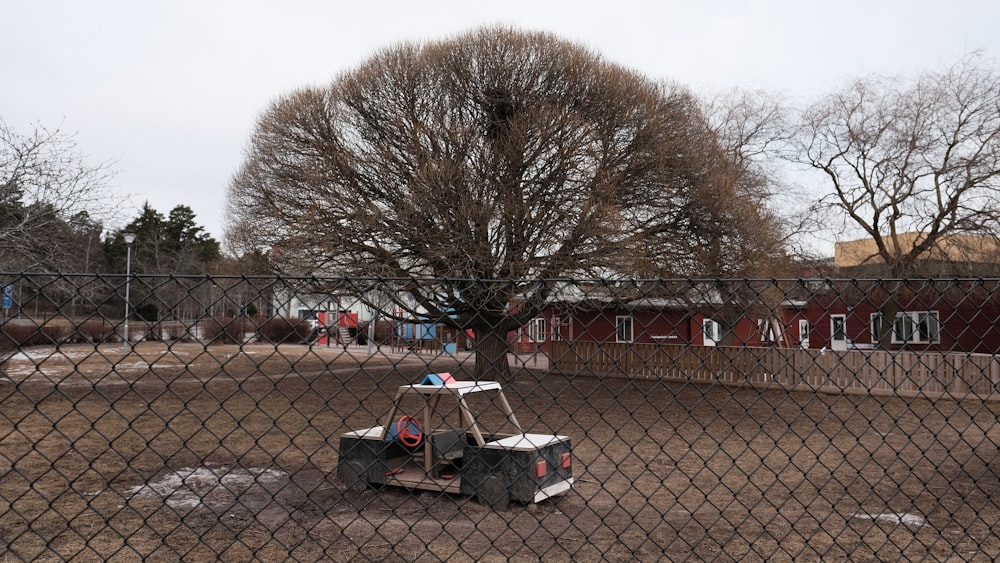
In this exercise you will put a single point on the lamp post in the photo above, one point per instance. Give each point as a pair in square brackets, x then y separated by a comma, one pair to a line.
[129, 239]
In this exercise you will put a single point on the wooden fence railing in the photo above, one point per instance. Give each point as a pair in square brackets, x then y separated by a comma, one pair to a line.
[901, 373]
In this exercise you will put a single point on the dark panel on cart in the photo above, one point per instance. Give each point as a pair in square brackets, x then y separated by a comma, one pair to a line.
[522, 471]
[363, 459]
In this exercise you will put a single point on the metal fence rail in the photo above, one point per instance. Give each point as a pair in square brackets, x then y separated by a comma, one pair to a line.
[708, 419]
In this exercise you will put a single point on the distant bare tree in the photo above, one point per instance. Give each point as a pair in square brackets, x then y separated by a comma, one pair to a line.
[51, 201]
[747, 237]
[739, 235]
[474, 167]
[920, 156]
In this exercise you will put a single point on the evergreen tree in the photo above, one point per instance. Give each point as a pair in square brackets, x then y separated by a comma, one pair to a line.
[164, 245]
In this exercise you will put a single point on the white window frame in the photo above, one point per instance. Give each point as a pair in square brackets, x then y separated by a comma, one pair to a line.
[711, 332]
[624, 328]
[804, 333]
[556, 328]
[910, 327]
[536, 329]
[838, 341]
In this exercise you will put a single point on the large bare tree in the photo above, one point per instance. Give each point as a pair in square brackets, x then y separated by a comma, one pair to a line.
[477, 170]
[920, 156]
[911, 164]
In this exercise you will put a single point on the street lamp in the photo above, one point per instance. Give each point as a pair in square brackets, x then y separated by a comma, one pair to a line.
[129, 239]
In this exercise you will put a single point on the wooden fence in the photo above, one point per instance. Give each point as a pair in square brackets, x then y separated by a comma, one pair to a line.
[899, 373]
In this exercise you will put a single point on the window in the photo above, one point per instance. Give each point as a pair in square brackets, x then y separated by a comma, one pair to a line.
[804, 333]
[623, 329]
[910, 327]
[928, 327]
[557, 328]
[838, 324]
[769, 329]
[536, 330]
[712, 332]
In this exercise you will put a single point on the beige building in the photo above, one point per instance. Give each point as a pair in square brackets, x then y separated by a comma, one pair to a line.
[953, 250]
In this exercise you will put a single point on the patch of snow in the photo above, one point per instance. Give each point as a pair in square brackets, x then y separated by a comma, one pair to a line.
[189, 488]
[894, 518]
[28, 368]
[39, 354]
[21, 371]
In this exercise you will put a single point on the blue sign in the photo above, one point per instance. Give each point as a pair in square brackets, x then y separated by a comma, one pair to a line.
[8, 291]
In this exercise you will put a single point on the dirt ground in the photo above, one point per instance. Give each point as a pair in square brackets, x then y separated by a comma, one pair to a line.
[178, 453]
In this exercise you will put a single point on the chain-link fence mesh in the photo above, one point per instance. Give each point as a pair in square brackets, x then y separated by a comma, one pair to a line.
[246, 418]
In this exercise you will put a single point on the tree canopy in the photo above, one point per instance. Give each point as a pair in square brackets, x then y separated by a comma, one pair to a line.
[175, 244]
[483, 160]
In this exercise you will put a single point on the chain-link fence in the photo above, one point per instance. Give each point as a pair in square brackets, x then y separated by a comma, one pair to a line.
[239, 418]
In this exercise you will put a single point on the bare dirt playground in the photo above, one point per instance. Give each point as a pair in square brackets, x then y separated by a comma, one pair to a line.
[178, 453]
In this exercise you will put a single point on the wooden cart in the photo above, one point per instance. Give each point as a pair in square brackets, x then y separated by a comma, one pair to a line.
[457, 458]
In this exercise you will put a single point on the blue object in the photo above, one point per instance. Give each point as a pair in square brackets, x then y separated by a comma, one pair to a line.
[437, 379]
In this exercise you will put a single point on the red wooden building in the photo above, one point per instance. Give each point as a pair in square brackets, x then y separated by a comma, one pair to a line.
[947, 316]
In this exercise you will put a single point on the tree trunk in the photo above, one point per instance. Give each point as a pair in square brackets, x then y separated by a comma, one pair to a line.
[491, 356]
[887, 319]
[728, 332]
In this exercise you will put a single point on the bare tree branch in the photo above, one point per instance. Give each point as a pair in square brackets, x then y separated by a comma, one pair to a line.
[51, 200]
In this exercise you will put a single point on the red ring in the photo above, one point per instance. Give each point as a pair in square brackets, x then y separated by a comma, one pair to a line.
[406, 437]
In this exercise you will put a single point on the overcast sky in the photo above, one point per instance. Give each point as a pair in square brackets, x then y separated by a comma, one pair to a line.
[169, 91]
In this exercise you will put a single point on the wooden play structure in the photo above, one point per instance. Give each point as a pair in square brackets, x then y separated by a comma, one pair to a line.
[429, 450]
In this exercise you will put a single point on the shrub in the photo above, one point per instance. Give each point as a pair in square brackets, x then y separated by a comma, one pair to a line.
[151, 335]
[14, 336]
[283, 330]
[148, 312]
[169, 333]
[92, 331]
[225, 330]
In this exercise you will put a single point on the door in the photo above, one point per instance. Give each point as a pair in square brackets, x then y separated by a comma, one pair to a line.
[838, 332]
